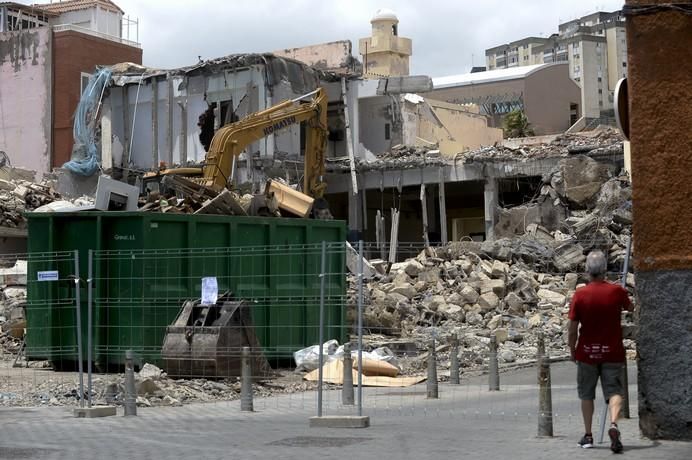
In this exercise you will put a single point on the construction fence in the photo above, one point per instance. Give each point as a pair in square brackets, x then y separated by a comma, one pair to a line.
[290, 327]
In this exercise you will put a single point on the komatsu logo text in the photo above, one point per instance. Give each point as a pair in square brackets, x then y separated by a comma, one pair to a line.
[279, 125]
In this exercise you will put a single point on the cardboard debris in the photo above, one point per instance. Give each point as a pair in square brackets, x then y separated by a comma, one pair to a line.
[333, 372]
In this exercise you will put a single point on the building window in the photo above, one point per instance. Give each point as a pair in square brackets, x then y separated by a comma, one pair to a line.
[526, 47]
[600, 91]
[599, 79]
[394, 30]
[576, 79]
[84, 82]
[624, 64]
[387, 133]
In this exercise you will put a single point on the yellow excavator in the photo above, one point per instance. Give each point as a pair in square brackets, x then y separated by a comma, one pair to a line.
[230, 141]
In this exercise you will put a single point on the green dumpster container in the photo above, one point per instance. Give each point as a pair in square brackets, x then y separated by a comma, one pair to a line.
[146, 265]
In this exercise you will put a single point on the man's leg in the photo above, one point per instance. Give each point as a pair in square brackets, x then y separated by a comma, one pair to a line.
[615, 406]
[611, 382]
[587, 378]
[587, 408]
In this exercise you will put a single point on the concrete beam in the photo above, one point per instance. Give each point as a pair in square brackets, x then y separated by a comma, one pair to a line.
[434, 174]
[96, 411]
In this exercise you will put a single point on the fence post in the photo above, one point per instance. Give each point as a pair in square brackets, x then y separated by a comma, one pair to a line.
[360, 328]
[130, 391]
[78, 312]
[432, 372]
[246, 382]
[625, 383]
[545, 399]
[90, 286]
[347, 389]
[320, 359]
[493, 367]
[454, 360]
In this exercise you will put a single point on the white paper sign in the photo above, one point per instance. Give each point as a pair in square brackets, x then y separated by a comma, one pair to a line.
[51, 275]
[210, 290]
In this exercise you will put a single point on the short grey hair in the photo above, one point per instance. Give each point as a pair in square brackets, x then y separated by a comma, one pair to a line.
[596, 264]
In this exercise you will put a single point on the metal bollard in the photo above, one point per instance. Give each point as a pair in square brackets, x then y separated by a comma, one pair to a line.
[493, 366]
[625, 392]
[540, 348]
[347, 398]
[130, 391]
[246, 382]
[545, 399]
[432, 373]
[454, 360]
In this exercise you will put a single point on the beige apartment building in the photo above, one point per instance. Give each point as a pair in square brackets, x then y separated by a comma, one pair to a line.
[593, 45]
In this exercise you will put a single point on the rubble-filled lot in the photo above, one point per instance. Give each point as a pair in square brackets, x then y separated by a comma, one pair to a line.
[515, 286]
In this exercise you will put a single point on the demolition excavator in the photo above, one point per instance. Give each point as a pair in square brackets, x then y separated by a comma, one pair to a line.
[218, 170]
[205, 339]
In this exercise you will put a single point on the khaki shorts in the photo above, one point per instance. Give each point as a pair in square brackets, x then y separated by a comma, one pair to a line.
[587, 378]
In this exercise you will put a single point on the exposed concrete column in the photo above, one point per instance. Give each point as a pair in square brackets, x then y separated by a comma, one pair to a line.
[355, 221]
[662, 215]
[490, 199]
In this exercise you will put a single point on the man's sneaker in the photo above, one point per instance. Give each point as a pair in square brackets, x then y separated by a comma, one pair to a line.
[586, 442]
[615, 444]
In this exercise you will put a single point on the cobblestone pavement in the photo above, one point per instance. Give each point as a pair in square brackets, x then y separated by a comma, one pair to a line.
[467, 421]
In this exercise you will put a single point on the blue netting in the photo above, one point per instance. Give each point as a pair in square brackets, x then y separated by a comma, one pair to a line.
[85, 155]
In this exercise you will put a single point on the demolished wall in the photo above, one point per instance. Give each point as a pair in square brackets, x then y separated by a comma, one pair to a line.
[25, 98]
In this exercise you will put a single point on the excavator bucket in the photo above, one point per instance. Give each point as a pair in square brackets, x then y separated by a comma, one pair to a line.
[206, 341]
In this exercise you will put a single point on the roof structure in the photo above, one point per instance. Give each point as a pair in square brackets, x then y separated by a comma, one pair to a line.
[75, 5]
[490, 76]
[33, 9]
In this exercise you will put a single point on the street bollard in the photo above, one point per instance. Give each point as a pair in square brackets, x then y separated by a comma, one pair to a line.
[432, 372]
[540, 348]
[130, 391]
[246, 382]
[626, 392]
[545, 399]
[454, 360]
[493, 366]
[347, 398]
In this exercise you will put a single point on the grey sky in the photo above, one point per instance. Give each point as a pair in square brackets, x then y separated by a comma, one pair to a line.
[445, 34]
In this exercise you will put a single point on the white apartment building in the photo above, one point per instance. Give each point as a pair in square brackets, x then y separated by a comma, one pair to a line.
[593, 45]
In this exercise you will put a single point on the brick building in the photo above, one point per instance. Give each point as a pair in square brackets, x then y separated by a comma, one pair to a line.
[47, 52]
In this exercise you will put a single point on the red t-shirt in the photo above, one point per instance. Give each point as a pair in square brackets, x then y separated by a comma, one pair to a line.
[596, 307]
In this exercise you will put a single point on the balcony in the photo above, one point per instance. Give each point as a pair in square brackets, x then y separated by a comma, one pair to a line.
[94, 33]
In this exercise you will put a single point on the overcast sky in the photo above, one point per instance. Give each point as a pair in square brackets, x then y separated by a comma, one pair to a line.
[445, 33]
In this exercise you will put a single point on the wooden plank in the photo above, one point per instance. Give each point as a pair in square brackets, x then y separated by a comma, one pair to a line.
[224, 203]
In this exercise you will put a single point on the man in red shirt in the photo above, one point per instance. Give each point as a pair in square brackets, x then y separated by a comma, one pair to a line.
[598, 351]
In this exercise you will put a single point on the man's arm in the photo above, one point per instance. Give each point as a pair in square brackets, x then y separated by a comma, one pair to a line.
[572, 337]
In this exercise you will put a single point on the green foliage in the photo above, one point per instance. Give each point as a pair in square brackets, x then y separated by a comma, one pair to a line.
[515, 124]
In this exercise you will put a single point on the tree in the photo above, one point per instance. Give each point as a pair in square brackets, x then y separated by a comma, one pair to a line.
[515, 124]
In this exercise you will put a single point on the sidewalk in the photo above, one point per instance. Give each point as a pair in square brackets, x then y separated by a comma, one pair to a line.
[468, 422]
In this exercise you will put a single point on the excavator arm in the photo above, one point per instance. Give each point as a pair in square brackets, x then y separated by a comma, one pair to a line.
[230, 140]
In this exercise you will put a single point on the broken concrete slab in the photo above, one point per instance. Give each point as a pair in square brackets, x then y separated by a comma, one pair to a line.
[569, 256]
[352, 263]
[578, 180]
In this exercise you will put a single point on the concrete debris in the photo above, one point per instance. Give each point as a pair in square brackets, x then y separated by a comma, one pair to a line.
[18, 196]
[604, 142]
[512, 287]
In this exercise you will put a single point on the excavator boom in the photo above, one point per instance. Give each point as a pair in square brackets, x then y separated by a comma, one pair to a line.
[230, 140]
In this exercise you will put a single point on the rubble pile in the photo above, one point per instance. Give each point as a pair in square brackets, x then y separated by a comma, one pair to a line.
[12, 304]
[18, 196]
[602, 141]
[516, 285]
[154, 388]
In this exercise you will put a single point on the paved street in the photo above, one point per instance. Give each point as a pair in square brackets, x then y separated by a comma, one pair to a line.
[468, 421]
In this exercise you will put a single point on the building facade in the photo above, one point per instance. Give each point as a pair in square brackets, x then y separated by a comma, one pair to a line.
[593, 45]
[544, 92]
[48, 53]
